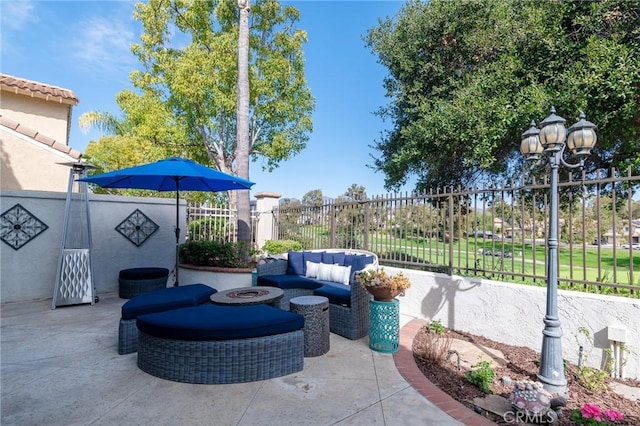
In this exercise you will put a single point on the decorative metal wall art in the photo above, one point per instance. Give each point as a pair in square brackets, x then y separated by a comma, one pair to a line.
[19, 226]
[137, 228]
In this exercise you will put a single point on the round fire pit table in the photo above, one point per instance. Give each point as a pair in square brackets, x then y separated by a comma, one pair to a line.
[315, 310]
[248, 296]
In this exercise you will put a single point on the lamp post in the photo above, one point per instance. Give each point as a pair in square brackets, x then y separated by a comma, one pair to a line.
[546, 147]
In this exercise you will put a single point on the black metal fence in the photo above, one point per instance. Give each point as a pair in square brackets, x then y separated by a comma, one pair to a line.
[496, 232]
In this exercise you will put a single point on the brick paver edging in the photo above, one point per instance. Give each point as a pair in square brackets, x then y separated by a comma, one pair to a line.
[407, 367]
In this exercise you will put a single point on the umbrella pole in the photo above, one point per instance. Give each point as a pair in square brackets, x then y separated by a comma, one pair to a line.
[176, 283]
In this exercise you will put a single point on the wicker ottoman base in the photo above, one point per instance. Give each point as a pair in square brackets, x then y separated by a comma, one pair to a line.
[127, 336]
[315, 310]
[224, 361]
[133, 282]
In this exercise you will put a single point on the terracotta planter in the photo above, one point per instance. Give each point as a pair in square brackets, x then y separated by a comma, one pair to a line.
[382, 294]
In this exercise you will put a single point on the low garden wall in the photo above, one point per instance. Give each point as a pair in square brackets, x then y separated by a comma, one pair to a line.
[218, 278]
[513, 314]
[29, 272]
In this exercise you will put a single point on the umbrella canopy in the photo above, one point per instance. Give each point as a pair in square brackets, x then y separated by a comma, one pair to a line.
[171, 174]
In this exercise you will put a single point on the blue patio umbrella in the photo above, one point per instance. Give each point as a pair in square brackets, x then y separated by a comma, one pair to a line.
[171, 174]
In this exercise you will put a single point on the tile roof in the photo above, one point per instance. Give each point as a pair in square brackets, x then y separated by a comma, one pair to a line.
[39, 137]
[38, 90]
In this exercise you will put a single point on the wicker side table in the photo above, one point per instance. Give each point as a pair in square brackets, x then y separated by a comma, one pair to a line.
[315, 310]
[384, 330]
[136, 281]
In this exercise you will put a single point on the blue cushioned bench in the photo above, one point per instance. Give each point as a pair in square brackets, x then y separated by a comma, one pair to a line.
[215, 344]
[156, 301]
[348, 300]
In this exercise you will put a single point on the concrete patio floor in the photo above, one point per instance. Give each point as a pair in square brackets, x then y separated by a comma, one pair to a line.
[61, 367]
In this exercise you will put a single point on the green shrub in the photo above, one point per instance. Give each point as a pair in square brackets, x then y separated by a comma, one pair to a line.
[590, 378]
[593, 379]
[482, 376]
[436, 327]
[217, 253]
[280, 246]
[209, 229]
[435, 344]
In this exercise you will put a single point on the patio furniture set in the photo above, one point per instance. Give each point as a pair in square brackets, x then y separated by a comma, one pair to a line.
[303, 274]
[194, 334]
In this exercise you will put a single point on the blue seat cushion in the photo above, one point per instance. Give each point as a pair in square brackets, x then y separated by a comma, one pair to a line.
[143, 273]
[285, 281]
[220, 322]
[166, 299]
[338, 294]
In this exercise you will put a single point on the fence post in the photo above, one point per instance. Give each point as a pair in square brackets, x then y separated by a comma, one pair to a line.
[265, 203]
[332, 224]
[451, 230]
[365, 234]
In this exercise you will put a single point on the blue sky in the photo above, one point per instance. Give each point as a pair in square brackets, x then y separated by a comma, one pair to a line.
[85, 46]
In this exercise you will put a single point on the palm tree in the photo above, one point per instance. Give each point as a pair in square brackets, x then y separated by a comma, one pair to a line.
[242, 121]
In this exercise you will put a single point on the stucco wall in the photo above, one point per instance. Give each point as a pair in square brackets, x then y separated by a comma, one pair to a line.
[513, 314]
[32, 166]
[30, 272]
[218, 280]
[47, 117]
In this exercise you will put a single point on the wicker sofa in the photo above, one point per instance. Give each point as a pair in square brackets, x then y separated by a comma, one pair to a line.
[348, 303]
[215, 344]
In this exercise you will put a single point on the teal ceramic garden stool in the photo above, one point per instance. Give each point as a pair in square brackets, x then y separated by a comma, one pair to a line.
[384, 329]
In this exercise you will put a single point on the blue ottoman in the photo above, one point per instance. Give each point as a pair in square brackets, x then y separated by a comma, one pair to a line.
[136, 281]
[156, 301]
[212, 343]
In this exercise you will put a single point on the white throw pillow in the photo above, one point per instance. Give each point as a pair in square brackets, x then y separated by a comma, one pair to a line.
[340, 274]
[334, 273]
[312, 269]
[324, 271]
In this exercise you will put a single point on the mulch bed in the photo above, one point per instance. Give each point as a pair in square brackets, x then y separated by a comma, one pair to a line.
[521, 365]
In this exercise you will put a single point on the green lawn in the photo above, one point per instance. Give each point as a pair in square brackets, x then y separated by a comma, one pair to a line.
[593, 265]
[584, 264]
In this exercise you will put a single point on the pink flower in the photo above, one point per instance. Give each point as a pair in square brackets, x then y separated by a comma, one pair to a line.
[590, 411]
[613, 415]
[590, 414]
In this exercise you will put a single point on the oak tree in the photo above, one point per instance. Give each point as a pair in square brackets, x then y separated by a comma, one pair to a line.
[465, 78]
